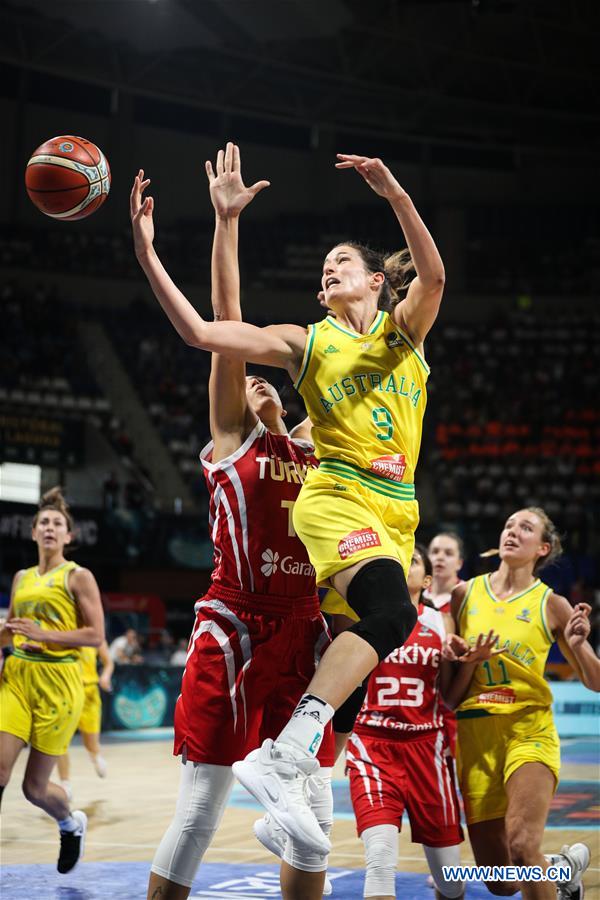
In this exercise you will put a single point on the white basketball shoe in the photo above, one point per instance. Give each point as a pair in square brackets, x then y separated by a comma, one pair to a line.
[276, 775]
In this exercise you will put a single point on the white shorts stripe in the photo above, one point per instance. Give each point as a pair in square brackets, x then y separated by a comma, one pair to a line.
[439, 765]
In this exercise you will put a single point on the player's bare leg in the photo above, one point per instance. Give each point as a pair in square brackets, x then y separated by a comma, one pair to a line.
[490, 848]
[530, 790]
[10, 747]
[91, 742]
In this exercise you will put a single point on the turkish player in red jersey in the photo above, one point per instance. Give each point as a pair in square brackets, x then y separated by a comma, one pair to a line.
[396, 755]
[258, 633]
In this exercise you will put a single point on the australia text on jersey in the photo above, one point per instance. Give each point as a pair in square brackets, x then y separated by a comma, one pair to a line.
[370, 381]
[524, 655]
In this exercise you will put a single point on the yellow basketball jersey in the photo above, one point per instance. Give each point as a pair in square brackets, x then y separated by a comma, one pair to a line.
[48, 601]
[88, 660]
[513, 679]
[365, 395]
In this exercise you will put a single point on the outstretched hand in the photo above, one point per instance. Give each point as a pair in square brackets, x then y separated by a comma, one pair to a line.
[456, 649]
[228, 192]
[376, 174]
[140, 210]
[578, 627]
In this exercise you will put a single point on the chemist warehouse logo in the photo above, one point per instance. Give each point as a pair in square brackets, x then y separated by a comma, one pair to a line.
[287, 564]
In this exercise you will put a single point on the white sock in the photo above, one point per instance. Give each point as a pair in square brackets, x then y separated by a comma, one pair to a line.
[68, 824]
[305, 729]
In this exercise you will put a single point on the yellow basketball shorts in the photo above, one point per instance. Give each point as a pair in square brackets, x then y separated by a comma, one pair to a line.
[492, 747]
[41, 702]
[91, 714]
[334, 605]
[344, 515]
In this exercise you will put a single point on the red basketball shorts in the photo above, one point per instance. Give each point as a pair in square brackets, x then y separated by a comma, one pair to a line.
[389, 776]
[245, 673]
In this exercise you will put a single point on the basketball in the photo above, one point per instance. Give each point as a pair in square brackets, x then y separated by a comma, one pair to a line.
[67, 178]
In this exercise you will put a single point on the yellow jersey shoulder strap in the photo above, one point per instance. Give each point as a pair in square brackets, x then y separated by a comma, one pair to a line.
[465, 600]
[69, 567]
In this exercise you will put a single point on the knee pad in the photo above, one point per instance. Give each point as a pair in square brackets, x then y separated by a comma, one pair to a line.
[378, 593]
[437, 857]
[203, 793]
[381, 851]
[321, 803]
[345, 717]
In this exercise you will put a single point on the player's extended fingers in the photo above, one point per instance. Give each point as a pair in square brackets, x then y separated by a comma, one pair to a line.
[237, 162]
[209, 170]
[258, 186]
[134, 197]
[228, 156]
[353, 158]
[148, 207]
[220, 162]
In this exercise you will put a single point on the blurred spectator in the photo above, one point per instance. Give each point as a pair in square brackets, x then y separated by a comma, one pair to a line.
[179, 657]
[111, 490]
[125, 650]
[160, 654]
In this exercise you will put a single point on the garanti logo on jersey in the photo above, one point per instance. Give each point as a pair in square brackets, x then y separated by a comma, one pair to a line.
[288, 565]
[358, 540]
[392, 467]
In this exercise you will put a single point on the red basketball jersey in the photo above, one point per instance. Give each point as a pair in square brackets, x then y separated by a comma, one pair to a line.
[442, 602]
[252, 494]
[403, 697]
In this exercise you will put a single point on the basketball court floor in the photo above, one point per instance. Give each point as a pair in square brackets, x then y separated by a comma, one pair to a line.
[129, 810]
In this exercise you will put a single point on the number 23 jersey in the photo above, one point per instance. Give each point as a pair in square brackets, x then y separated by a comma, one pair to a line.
[403, 698]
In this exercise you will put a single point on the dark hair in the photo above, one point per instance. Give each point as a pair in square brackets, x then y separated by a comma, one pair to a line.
[54, 499]
[422, 551]
[453, 536]
[398, 269]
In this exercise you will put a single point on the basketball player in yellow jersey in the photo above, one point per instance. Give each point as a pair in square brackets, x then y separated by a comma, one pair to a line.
[363, 377]
[55, 609]
[91, 713]
[508, 748]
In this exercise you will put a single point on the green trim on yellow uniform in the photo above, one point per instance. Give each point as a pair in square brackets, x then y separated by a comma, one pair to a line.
[310, 340]
[511, 599]
[472, 713]
[408, 341]
[376, 483]
[543, 604]
[356, 334]
[42, 657]
[465, 599]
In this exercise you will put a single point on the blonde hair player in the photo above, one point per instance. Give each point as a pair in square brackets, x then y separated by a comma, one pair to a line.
[508, 747]
[91, 715]
[363, 379]
[55, 609]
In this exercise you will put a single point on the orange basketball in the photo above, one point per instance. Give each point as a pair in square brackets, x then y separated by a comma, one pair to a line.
[68, 177]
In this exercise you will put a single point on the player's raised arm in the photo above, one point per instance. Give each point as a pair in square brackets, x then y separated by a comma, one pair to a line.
[571, 627]
[281, 346]
[231, 418]
[418, 311]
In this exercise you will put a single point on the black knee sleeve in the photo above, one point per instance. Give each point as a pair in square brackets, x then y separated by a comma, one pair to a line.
[345, 717]
[378, 593]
